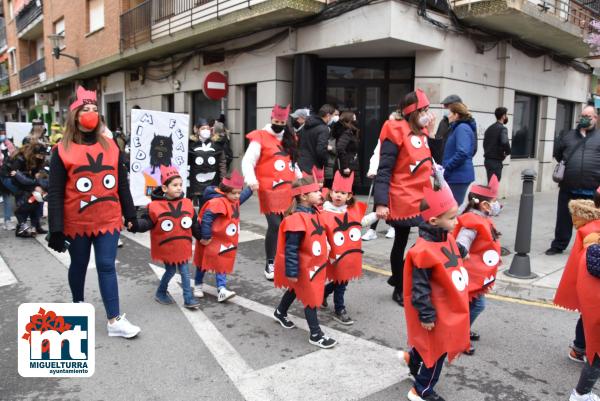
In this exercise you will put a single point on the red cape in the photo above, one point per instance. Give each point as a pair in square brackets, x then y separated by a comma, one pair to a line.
[171, 236]
[412, 171]
[91, 204]
[484, 255]
[450, 298]
[344, 237]
[274, 172]
[219, 254]
[312, 258]
[588, 296]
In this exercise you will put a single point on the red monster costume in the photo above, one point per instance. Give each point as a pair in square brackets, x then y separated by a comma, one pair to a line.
[484, 255]
[344, 235]
[91, 204]
[219, 254]
[274, 169]
[413, 166]
[449, 293]
[588, 298]
[312, 254]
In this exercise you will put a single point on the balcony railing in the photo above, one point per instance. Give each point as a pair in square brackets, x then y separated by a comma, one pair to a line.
[28, 14]
[2, 33]
[136, 25]
[32, 71]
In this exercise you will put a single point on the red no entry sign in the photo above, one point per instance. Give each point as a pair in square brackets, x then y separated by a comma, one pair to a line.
[215, 86]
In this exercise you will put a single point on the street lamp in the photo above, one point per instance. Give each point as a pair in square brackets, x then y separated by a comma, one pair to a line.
[57, 41]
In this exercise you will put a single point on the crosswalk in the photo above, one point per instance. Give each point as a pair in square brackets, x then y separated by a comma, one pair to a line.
[6, 275]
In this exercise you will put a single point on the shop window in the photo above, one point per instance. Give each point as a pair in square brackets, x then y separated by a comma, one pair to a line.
[524, 133]
[95, 15]
[564, 118]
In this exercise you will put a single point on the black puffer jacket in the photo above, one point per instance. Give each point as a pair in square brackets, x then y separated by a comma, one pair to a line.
[346, 146]
[583, 166]
[312, 149]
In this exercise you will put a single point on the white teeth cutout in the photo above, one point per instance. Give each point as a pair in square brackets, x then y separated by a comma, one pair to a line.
[337, 257]
[313, 271]
[414, 166]
[224, 248]
[93, 198]
[489, 280]
[275, 183]
[83, 204]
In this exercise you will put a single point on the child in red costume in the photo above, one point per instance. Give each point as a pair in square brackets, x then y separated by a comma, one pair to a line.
[219, 231]
[302, 259]
[436, 298]
[586, 219]
[172, 221]
[343, 218]
[269, 167]
[477, 233]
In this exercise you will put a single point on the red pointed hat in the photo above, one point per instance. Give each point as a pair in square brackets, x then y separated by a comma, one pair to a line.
[489, 191]
[341, 183]
[318, 173]
[439, 202]
[83, 97]
[235, 181]
[422, 102]
[279, 113]
[168, 172]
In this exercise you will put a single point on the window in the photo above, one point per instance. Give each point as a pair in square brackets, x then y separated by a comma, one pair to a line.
[168, 103]
[12, 54]
[524, 126]
[95, 15]
[564, 118]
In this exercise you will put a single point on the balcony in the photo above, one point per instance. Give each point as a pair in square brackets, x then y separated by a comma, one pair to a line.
[33, 73]
[172, 25]
[2, 35]
[559, 25]
[4, 85]
[29, 20]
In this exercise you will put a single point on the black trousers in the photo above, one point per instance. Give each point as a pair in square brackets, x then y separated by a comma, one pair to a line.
[563, 230]
[397, 256]
[589, 376]
[273, 223]
[493, 166]
[310, 313]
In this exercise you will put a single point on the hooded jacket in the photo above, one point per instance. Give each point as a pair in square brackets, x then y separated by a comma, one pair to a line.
[583, 166]
[312, 149]
[459, 151]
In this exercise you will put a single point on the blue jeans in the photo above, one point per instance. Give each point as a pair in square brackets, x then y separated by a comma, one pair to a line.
[8, 205]
[476, 306]
[459, 191]
[221, 278]
[425, 378]
[338, 290]
[105, 249]
[184, 271]
[310, 313]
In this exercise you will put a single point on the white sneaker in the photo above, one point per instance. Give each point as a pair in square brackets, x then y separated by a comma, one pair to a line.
[391, 233]
[369, 235]
[413, 396]
[120, 243]
[9, 226]
[122, 328]
[585, 397]
[270, 271]
[225, 294]
[198, 293]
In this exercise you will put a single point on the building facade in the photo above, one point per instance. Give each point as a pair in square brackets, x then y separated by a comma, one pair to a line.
[360, 55]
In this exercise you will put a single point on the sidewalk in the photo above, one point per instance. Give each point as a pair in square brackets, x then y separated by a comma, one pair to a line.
[548, 268]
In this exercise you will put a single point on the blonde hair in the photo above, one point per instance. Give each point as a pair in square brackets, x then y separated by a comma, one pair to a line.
[461, 109]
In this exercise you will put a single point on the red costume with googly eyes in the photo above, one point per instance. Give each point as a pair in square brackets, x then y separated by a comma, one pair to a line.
[344, 238]
[449, 295]
[274, 172]
[312, 259]
[171, 235]
[484, 255]
[219, 255]
[412, 171]
[91, 204]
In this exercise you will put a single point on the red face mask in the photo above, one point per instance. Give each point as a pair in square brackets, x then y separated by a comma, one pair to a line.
[89, 120]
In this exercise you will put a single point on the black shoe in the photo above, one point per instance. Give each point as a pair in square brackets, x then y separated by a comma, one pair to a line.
[433, 397]
[324, 304]
[283, 320]
[322, 341]
[24, 231]
[343, 318]
[553, 251]
[40, 230]
[474, 336]
[398, 297]
[470, 351]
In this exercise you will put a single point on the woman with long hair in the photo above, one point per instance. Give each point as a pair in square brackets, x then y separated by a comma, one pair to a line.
[405, 168]
[269, 167]
[347, 143]
[88, 195]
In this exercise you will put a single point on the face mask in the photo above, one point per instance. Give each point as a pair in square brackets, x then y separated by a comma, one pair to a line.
[335, 119]
[204, 133]
[424, 121]
[495, 208]
[277, 128]
[38, 196]
[89, 120]
[2, 138]
[296, 124]
[505, 120]
[446, 113]
[585, 122]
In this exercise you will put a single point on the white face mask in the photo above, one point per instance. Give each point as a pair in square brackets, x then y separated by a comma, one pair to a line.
[424, 120]
[334, 119]
[495, 208]
[204, 133]
[38, 196]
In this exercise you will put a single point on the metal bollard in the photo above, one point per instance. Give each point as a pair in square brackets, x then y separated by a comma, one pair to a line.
[521, 265]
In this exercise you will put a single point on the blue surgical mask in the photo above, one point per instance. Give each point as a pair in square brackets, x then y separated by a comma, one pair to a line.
[495, 208]
[2, 138]
[446, 113]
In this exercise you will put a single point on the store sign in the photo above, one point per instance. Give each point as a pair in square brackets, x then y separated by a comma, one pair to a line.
[215, 86]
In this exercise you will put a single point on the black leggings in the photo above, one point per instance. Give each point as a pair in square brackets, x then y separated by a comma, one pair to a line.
[589, 376]
[397, 256]
[273, 222]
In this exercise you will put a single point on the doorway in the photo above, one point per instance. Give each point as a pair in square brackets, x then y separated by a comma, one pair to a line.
[113, 115]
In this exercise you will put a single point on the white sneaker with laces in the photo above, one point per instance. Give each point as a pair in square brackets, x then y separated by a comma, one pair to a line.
[9, 226]
[120, 243]
[122, 328]
[198, 293]
[584, 397]
[391, 233]
[225, 294]
[270, 271]
[369, 235]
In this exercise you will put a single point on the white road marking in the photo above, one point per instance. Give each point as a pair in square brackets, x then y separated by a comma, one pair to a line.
[6, 275]
[64, 257]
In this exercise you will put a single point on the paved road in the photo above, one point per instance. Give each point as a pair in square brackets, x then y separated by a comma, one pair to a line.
[235, 351]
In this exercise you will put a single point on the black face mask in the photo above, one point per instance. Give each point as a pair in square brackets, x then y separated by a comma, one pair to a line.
[505, 120]
[277, 128]
[296, 124]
